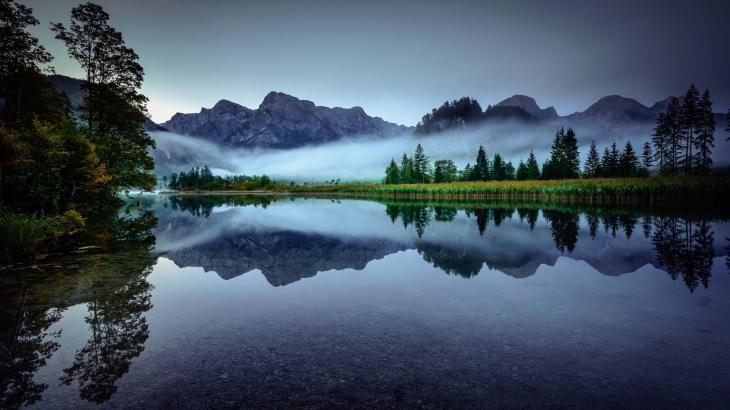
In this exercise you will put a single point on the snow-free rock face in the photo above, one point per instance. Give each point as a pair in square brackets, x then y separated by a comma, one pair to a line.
[616, 110]
[530, 105]
[281, 121]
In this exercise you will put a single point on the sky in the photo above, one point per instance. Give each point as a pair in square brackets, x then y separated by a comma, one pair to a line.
[400, 59]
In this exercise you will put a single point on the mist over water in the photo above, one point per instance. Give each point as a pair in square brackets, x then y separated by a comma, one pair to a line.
[364, 158]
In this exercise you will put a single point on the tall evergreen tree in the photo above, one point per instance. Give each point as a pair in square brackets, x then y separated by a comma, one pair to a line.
[647, 159]
[564, 159]
[406, 170]
[660, 139]
[392, 173]
[522, 174]
[674, 131]
[499, 172]
[690, 118]
[533, 169]
[113, 109]
[628, 162]
[610, 162]
[421, 166]
[481, 170]
[593, 163]
[466, 174]
[704, 139]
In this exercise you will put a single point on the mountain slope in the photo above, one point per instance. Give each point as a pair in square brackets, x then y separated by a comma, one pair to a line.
[530, 105]
[281, 121]
[72, 88]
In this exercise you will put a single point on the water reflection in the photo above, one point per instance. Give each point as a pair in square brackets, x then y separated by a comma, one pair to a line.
[288, 239]
[113, 287]
[287, 245]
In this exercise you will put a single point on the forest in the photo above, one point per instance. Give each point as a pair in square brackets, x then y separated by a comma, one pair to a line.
[681, 144]
[61, 166]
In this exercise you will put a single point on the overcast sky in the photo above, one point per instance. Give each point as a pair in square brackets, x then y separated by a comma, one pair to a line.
[399, 59]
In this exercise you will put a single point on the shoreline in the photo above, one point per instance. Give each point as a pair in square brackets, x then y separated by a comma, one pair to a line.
[697, 190]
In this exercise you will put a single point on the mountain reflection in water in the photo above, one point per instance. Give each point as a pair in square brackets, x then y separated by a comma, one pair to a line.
[297, 241]
[86, 321]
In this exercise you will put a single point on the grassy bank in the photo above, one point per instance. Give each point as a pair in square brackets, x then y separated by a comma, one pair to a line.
[714, 189]
[22, 236]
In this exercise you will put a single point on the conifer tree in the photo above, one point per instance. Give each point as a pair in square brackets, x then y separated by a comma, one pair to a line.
[533, 169]
[498, 168]
[704, 139]
[522, 173]
[406, 166]
[690, 117]
[420, 165]
[647, 159]
[481, 171]
[392, 173]
[661, 145]
[629, 162]
[593, 163]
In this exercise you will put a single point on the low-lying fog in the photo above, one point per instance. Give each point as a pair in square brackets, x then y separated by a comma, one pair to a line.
[365, 158]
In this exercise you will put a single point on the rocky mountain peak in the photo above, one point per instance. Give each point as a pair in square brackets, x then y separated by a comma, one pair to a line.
[529, 104]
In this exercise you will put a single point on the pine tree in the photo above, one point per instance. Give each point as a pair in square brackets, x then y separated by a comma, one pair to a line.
[674, 136]
[481, 168]
[533, 169]
[522, 173]
[466, 174]
[660, 140]
[406, 166]
[572, 155]
[593, 163]
[704, 140]
[498, 170]
[610, 162]
[420, 165]
[647, 159]
[629, 162]
[392, 173]
[690, 117]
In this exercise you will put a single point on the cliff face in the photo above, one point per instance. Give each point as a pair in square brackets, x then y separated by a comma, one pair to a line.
[281, 121]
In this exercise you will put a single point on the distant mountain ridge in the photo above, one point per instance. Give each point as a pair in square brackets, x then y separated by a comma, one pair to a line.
[281, 121]
[72, 88]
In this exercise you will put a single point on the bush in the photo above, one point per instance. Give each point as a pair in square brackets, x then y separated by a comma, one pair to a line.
[24, 235]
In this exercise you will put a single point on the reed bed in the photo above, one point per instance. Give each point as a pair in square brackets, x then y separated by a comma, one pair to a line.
[696, 189]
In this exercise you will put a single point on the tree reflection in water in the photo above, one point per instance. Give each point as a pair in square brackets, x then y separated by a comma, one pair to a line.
[684, 246]
[113, 286]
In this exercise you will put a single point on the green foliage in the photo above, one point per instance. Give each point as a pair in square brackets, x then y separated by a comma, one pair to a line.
[113, 110]
[592, 167]
[684, 135]
[533, 169]
[452, 114]
[481, 172]
[204, 180]
[445, 171]
[392, 174]
[628, 162]
[24, 235]
[564, 159]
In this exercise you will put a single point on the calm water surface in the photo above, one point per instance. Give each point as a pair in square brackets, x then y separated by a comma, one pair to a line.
[221, 302]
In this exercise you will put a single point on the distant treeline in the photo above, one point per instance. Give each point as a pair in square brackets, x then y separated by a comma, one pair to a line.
[203, 179]
[564, 163]
[681, 145]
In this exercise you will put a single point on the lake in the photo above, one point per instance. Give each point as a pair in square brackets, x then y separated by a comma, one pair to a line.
[255, 301]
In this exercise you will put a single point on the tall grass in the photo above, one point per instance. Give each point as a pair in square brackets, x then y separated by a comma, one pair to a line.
[602, 190]
[23, 235]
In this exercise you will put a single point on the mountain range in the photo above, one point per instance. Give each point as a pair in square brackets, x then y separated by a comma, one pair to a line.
[282, 121]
